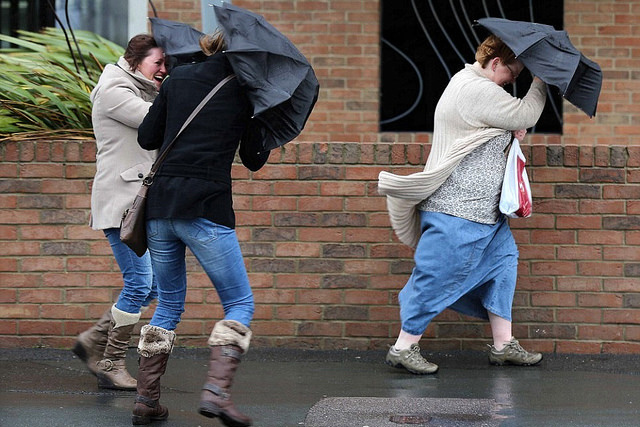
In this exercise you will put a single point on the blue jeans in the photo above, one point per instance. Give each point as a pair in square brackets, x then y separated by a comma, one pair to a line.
[139, 286]
[217, 250]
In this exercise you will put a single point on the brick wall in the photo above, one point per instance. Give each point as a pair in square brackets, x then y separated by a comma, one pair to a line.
[341, 39]
[323, 261]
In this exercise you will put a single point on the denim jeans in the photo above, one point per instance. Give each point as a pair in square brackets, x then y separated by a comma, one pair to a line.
[217, 250]
[139, 286]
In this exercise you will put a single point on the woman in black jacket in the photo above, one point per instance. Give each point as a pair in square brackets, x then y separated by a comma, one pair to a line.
[190, 205]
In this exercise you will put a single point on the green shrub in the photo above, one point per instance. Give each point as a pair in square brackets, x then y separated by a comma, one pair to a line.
[44, 92]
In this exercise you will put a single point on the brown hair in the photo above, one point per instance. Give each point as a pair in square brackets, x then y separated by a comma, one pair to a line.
[493, 47]
[138, 48]
[212, 43]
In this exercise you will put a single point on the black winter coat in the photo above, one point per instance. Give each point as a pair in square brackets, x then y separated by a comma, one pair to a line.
[194, 181]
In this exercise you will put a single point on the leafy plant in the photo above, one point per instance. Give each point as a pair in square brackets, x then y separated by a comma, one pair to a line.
[44, 89]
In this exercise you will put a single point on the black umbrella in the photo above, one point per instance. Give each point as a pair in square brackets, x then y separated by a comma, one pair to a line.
[280, 82]
[179, 41]
[549, 55]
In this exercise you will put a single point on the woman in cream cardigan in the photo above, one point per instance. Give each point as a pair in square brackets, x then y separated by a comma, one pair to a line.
[466, 257]
[121, 99]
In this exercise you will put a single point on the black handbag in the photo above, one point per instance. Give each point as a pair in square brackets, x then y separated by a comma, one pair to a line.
[133, 230]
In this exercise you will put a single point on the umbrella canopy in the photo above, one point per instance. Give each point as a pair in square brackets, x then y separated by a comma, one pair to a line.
[281, 84]
[550, 55]
[178, 40]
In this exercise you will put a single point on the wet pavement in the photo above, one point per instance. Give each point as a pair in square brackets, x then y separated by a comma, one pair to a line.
[282, 388]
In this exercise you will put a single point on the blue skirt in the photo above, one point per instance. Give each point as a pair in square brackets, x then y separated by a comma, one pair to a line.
[460, 264]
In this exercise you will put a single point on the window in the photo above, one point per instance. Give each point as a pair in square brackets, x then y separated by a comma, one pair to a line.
[425, 42]
[28, 15]
[115, 20]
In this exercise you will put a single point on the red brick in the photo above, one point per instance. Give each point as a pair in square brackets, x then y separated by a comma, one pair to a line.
[553, 268]
[8, 327]
[8, 264]
[7, 296]
[319, 296]
[600, 268]
[579, 284]
[309, 250]
[579, 252]
[609, 237]
[273, 328]
[599, 300]
[553, 299]
[620, 348]
[28, 327]
[19, 280]
[39, 295]
[88, 295]
[42, 264]
[41, 171]
[621, 316]
[296, 281]
[266, 296]
[579, 315]
[23, 311]
[605, 333]
[369, 329]
[320, 329]
[627, 284]
[299, 312]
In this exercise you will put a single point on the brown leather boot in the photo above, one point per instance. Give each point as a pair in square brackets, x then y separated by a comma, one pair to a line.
[229, 340]
[90, 344]
[112, 372]
[154, 348]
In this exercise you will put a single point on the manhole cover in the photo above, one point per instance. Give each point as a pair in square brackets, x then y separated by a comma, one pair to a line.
[410, 419]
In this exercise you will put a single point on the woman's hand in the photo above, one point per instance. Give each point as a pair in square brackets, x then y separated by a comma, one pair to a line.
[519, 134]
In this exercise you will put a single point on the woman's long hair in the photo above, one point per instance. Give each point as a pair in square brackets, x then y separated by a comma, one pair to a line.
[212, 43]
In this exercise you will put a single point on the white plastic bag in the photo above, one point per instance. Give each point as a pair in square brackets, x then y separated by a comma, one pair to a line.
[515, 199]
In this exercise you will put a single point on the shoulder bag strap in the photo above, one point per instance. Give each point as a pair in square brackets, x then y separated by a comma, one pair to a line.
[149, 178]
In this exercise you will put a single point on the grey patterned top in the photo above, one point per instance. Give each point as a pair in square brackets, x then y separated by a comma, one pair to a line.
[472, 191]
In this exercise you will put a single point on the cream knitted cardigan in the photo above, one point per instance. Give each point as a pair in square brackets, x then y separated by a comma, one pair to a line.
[471, 111]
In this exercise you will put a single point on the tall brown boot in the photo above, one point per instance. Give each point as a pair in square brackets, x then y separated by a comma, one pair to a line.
[112, 371]
[90, 344]
[154, 348]
[229, 340]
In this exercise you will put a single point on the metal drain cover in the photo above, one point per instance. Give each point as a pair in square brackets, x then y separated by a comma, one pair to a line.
[410, 419]
[403, 411]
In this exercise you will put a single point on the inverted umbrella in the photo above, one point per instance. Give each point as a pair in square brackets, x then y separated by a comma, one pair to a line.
[178, 40]
[549, 54]
[281, 84]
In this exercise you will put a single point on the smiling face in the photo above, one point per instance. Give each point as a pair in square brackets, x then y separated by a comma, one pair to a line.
[152, 66]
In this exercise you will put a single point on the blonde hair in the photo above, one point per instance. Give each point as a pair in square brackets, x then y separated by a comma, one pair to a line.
[212, 43]
[493, 47]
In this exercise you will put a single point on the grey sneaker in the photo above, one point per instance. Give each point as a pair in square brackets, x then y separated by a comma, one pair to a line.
[513, 354]
[411, 360]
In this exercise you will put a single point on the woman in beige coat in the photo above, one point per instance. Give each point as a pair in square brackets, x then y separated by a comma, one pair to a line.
[121, 99]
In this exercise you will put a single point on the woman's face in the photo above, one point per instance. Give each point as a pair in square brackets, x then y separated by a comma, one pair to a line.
[503, 74]
[152, 66]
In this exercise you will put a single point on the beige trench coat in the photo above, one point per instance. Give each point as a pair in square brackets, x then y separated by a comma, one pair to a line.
[120, 100]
